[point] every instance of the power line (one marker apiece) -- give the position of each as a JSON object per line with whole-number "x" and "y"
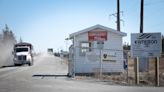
{"x": 115, "y": 15}
{"x": 154, "y": 3}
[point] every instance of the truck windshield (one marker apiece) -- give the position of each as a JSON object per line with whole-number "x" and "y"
{"x": 21, "y": 49}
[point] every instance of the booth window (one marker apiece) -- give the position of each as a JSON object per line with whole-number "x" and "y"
{"x": 85, "y": 47}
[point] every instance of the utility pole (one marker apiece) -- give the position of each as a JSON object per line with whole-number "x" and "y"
{"x": 118, "y": 15}
{"x": 141, "y": 16}
{"x": 141, "y": 31}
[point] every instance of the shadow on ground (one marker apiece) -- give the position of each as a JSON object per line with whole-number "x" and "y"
{"x": 48, "y": 75}
{"x": 7, "y": 66}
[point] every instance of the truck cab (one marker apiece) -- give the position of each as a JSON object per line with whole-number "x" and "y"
{"x": 23, "y": 54}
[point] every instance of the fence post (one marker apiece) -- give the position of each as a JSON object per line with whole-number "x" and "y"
{"x": 136, "y": 60}
{"x": 157, "y": 71}
{"x": 127, "y": 69}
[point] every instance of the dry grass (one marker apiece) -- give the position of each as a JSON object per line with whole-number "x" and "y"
{"x": 147, "y": 78}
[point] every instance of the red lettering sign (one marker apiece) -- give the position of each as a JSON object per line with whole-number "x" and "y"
{"x": 97, "y": 36}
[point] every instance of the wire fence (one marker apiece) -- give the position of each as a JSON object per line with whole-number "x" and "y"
{"x": 114, "y": 66}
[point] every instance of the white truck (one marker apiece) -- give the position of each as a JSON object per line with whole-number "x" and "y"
{"x": 23, "y": 54}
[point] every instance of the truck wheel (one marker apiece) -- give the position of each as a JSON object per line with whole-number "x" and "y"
{"x": 29, "y": 64}
{"x": 15, "y": 64}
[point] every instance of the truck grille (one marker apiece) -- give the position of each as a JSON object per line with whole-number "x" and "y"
{"x": 22, "y": 57}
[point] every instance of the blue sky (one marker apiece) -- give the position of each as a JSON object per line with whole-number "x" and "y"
{"x": 46, "y": 23}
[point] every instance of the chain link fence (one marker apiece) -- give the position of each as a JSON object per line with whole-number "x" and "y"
{"x": 114, "y": 66}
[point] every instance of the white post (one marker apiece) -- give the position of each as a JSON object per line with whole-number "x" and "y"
{"x": 74, "y": 57}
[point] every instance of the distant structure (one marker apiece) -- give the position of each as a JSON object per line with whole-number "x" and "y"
{"x": 50, "y": 51}
{"x": 64, "y": 54}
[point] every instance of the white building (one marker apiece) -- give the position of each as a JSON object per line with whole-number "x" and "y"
{"x": 94, "y": 49}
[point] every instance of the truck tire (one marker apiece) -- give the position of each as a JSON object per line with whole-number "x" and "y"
{"x": 17, "y": 64}
{"x": 29, "y": 64}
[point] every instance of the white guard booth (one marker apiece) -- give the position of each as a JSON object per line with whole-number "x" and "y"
{"x": 96, "y": 48}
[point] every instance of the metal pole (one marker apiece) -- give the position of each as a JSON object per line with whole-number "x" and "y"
{"x": 141, "y": 16}
{"x": 100, "y": 65}
{"x": 118, "y": 15}
{"x": 141, "y": 31}
{"x": 74, "y": 58}
{"x": 127, "y": 68}
{"x": 157, "y": 71}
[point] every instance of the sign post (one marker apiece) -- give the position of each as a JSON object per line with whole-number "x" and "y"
{"x": 100, "y": 64}
{"x": 157, "y": 71}
{"x": 137, "y": 70}
{"x": 146, "y": 45}
{"x": 100, "y": 37}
